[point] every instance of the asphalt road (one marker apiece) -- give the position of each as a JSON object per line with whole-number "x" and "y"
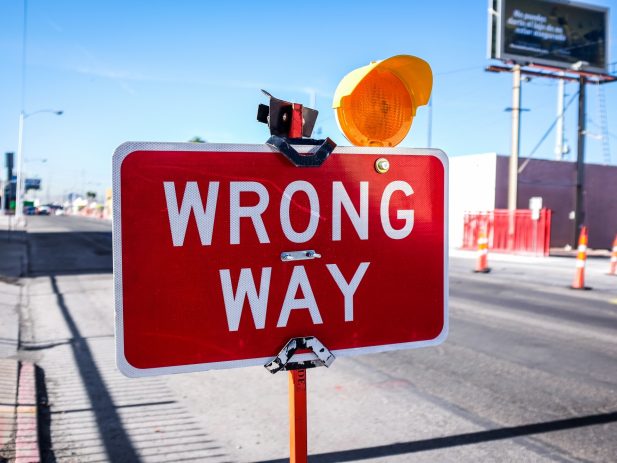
{"x": 528, "y": 373}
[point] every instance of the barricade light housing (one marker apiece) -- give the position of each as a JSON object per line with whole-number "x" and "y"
{"x": 375, "y": 104}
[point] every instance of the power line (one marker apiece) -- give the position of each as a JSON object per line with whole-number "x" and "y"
{"x": 600, "y": 127}
{"x": 546, "y": 134}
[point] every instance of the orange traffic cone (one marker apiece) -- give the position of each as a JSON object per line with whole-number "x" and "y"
{"x": 482, "y": 261}
{"x": 581, "y": 258}
{"x": 613, "y": 269}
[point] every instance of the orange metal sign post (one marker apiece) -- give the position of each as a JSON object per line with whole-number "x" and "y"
{"x": 298, "y": 449}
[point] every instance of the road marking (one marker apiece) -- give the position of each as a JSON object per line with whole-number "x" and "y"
{"x": 536, "y": 322}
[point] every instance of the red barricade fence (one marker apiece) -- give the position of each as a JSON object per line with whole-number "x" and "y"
{"x": 532, "y": 232}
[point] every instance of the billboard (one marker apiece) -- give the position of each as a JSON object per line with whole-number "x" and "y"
{"x": 549, "y": 32}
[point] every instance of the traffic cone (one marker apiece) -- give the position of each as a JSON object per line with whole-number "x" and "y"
{"x": 613, "y": 269}
{"x": 482, "y": 261}
{"x": 581, "y": 259}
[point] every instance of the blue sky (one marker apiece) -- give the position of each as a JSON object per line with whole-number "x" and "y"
{"x": 171, "y": 70}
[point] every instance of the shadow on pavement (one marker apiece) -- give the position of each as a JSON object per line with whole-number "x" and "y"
{"x": 97, "y": 415}
{"x": 459, "y": 439}
{"x": 69, "y": 253}
{"x": 118, "y": 446}
{"x": 12, "y": 250}
{"x": 47, "y": 452}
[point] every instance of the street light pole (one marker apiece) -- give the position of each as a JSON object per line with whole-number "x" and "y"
{"x": 19, "y": 176}
{"x": 19, "y": 181}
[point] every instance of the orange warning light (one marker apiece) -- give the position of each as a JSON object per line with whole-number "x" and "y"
{"x": 375, "y": 104}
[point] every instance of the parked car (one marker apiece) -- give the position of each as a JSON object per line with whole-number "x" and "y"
{"x": 56, "y": 209}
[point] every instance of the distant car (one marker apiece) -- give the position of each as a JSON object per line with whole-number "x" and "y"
{"x": 30, "y": 210}
{"x": 43, "y": 210}
{"x": 55, "y": 209}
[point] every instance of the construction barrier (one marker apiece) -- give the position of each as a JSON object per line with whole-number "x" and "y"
{"x": 532, "y": 231}
{"x": 581, "y": 259}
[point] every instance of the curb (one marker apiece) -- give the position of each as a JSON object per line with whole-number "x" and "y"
{"x": 27, "y": 436}
{"x": 9, "y": 369}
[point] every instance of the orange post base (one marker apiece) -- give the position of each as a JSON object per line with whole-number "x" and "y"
{"x": 298, "y": 449}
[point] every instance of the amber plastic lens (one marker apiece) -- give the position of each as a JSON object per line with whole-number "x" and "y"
{"x": 378, "y": 112}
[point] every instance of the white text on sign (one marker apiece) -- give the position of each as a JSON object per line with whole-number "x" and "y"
{"x": 205, "y": 217}
{"x": 258, "y": 299}
{"x": 246, "y": 288}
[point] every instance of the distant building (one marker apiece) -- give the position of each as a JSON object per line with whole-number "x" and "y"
{"x": 479, "y": 182}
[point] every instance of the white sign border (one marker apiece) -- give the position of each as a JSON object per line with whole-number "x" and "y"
{"x": 129, "y": 147}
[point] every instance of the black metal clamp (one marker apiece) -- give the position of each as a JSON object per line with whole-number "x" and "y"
{"x": 292, "y": 124}
{"x": 282, "y": 362}
{"x": 314, "y": 158}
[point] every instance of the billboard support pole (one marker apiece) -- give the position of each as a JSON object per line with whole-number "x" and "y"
{"x": 559, "y": 136}
{"x": 513, "y": 172}
{"x": 583, "y": 77}
{"x": 579, "y": 206}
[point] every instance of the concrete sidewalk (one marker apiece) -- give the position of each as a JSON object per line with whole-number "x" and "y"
{"x": 13, "y": 255}
{"x": 18, "y": 430}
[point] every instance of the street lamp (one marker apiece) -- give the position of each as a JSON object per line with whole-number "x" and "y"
{"x": 20, "y": 159}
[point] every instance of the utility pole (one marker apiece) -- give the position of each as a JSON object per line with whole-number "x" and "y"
{"x": 516, "y": 131}
{"x": 513, "y": 172}
{"x": 559, "y": 145}
{"x": 579, "y": 204}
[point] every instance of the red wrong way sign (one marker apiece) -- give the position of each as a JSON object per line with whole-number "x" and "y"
{"x": 223, "y": 253}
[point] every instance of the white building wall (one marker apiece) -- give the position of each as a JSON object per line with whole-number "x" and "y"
{"x": 472, "y": 189}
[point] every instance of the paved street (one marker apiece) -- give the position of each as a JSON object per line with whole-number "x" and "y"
{"x": 528, "y": 373}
